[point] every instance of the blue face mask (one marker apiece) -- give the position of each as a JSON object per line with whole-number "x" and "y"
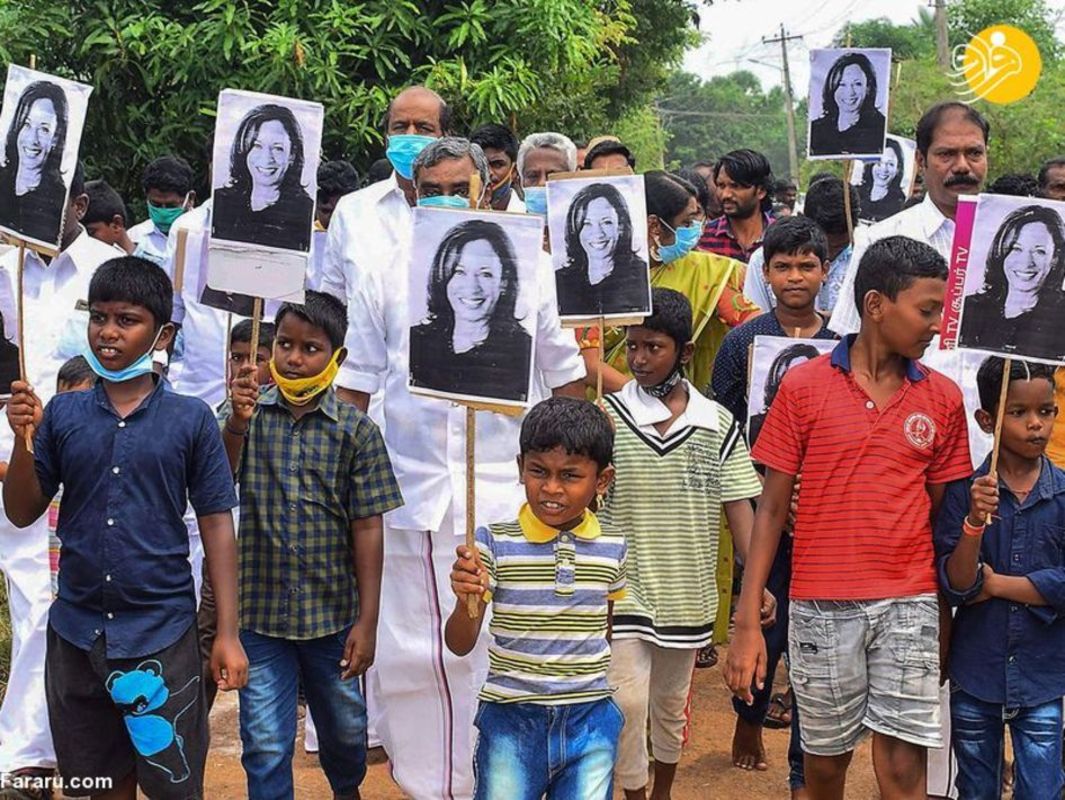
{"x": 403, "y": 148}
{"x": 444, "y": 201}
{"x": 536, "y": 200}
{"x": 686, "y": 237}
{"x": 142, "y": 366}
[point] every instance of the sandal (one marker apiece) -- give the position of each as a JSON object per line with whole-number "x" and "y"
{"x": 706, "y": 657}
{"x": 779, "y": 714}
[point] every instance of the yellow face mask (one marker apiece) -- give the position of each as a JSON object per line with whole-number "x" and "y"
{"x": 300, "y": 391}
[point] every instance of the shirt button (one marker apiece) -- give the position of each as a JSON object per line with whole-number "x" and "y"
{"x": 110, "y": 523}
{"x": 870, "y": 404}
{"x": 107, "y": 578}
{"x": 96, "y": 631}
{"x": 116, "y": 470}
{"x": 1013, "y": 608}
{"x": 122, "y": 424}
{"x": 1016, "y": 556}
{"x": 292, "y": 468}
{"x": 112, "y": 616}
{"x": 1011, "y": 659}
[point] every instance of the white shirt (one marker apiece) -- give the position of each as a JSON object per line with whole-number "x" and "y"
{"x": 925, "y": 223}
{"x": 515, "y": 204}
{"x": 149, "y": 240}
{"x": 367, "y": 228}
{"x": 426, "y": 437}
{"x": 647, "y": 411}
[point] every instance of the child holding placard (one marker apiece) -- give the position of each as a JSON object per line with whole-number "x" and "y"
{"x": 1000, "y": 552}
{"x": 674, "y": 449}
{"x": 546, "y": 720}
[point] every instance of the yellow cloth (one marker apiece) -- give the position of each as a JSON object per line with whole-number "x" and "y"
{"x": 1056, "y": 447}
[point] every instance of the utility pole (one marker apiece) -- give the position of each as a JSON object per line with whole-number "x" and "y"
{"x": 942, "y": 44}
{"x": 793, "y": 151}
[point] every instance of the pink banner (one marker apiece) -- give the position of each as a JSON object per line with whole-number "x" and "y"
{"x": 959, "y": 263}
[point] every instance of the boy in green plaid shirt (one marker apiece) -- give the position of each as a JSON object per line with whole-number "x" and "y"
{"x": 315, "y": 479}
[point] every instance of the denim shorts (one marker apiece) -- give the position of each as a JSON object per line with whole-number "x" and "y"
{"x": 867, "y": 665}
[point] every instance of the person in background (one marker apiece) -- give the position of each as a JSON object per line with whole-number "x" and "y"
{"x": 1018, "y": 184}
{"x": 335, "y": 179}
{"x": 610, "y": 154}
{"x": 167, "y": 186}
{"x": 501, "y": 149}
{"x": 107, "y": 217}
{"x": 582, "y": 151}
{"x": 380, "y": 170}
{"x": 706, "y": 170}
{"x": 743, "y": 179}
{"x": 785, "y": 192}
{"x": 704, "y": 196}
{"x": 540, "y": 156}
{"x": 1051, "y": 179}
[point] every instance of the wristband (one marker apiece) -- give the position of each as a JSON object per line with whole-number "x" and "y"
{"x": 972, "y": 530}
{"x": 234, "y": 432}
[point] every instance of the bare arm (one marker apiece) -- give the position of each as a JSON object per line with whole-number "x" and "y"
{"x": 368, "y": 553}
{"x": 1015, "y": 588}
{"x": 24, "y": 502}
{"x": 963, "y": 563}
{"x": 361, "y": 400}
{"x": 229, "y": 665}
{"x": 571, "y": 389}
{"x": 468, "y": 576}
{"x": 613, "y": 380}
{"x": 740, "y": 516}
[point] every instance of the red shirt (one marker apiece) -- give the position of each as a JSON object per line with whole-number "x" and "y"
{"x": 718, "y": 238}
{"x": 863, "y": 529}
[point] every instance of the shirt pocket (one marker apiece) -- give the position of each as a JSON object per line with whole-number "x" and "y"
{"x": 1047, "y": 546}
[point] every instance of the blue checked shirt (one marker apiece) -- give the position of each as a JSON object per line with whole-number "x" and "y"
{"x": 302, "y": 484}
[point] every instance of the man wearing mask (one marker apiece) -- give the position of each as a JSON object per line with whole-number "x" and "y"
{"x": 743, "y": 180}
{"x": 167, "y": 185}
{"x": 952, "y": 159}
{"x": 368, "y": 226}
{"x": 540, "y": 156}
{"x": 420, "y": 692}
{"x": 501, "y": 149}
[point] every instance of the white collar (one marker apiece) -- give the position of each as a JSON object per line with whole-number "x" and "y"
{"x": 932, "y": 219}
{"x": 647, "y": 410}
{"x": 84, "y": 253}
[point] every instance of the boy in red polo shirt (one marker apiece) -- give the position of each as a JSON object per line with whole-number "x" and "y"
{"x": 876, "y": 437}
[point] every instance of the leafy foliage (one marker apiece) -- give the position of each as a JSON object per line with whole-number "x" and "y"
{"x": 157, "y": 66}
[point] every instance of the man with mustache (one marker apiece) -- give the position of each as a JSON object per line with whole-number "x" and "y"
{"x": 952, "y": 159}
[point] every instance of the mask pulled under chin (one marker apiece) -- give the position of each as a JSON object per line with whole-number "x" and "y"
{"x": 142, "y": 366}
{"x": 660, "y": 390}
{"x": 300, "y": 391}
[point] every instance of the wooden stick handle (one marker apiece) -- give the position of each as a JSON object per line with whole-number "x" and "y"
{"x": 602, "y": 356}
{"x": 20, "y": 335}
{"x": 256, "y": 318}
{"x": 473, "y": 603}
{"x": 848, "y": 166}
{"x": 179, "y": 259}
{"x": 1007, "y": 365}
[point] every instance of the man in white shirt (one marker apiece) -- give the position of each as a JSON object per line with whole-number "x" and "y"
{"x": 368, "y": 225}
{"x": 56, "y": 327}
{"x": 424, "y": 697}
{"x": 952, "y": 157}
{"x": 167, "y": 185}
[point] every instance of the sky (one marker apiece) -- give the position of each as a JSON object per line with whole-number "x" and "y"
{"x": 734, "y": 30}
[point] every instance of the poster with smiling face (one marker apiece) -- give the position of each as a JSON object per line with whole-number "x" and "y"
{"x": 472, "y": 299}
{"x": 264, "y": 169}
{"x": 885, "y": 184}
{"x": 848, "y": 102}
{"x": 42, "y": 119}
{"x": 1014, "y": 295}
{"x": 599, "y": 249}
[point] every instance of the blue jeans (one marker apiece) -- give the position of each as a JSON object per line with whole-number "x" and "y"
{"x": 526, "y": 750}
{"x": 977, "y": 734}
{"x": 268, "y": 713}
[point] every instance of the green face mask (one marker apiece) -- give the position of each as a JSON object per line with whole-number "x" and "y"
{"x": 163, "y": 218}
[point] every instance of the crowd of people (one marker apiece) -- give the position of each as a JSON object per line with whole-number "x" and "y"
{"x": 191, "y": 509}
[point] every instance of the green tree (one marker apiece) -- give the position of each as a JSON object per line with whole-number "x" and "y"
{"x": 968, "y": 17}
{"x": 157, "y": 66}
{"x": 905, "y": 41}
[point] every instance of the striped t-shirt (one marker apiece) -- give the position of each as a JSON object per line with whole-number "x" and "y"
{"x": 549, "y": 591}
{"x": 666, "y": 498}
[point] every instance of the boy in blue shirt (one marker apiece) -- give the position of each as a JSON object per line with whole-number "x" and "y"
{"x": 546, "y": 720}
{"x": 122, "y": 671}
{"x": 1007, "y": 646}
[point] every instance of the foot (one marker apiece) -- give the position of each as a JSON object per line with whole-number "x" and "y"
{"x": 748, "y": 752}
{"x": 30, "y": 783}
{"x": 779, "y": 714}
{"x": 706, "y": 657}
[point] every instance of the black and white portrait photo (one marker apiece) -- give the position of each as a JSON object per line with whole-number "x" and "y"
{"x": 266, "y": 153}
{"x": 598, "y": 229}
{"x": 884, "y": 184}
{"x": 472, "y": 300}
{"x": 1014, "y": 299}
{"x": 771, "y": 358}
{"x": 42, "y": 119}
{"x": 848, "y": 102}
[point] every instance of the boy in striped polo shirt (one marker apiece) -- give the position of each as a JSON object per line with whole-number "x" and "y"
{"x": 876, "y": 436}
{"x": 546, "y": 720}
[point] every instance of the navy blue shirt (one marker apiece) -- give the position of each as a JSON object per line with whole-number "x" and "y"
{"x": 731, "y": 366}
{"x": 1001, "y": 651}
{"x": 124, "y": 569}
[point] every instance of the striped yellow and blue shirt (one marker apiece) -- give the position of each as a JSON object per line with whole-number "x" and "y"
{"x": 550, "y": 591}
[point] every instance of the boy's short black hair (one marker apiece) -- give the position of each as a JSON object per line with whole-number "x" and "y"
{"x": 892, "y": 265}
{"x": 793, "y": 235}
{"x": 671, "y": 314}
{"x": 322, "y": 311}
{"x": 824, "y": 204}
{"x": 104, "y": 204}
{"x": 989, "y": 378}
{"x": 167, "y": 174}
{"x": 931, "y": 119}
{"x": 577, "y": 426}
{"x": 241, "y": 333}
{"x": 497, "y": 137}
{"x": 77, "y": 182}
{"x": 609, "y": 147}
{"x": 379, "y": 170}
{"x": 136, "y": 280}
{"x": 75, "y": 372}
{"x": 336, "y": 179}
{"x": 1015, "y": 184}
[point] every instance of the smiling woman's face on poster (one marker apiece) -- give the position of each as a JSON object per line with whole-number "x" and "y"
{"x": 1029, "y": 258}
{"x": 269, "y": 157}
{"x": 885, "y": 170}
{"x": 852, "y": 89}
{"x": 476, "y": 283}
{"x": 599, "y": 229}
{"x": 37, "y": 137}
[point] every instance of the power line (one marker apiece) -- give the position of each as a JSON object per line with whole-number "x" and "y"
{"x": 789, "y": 99}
